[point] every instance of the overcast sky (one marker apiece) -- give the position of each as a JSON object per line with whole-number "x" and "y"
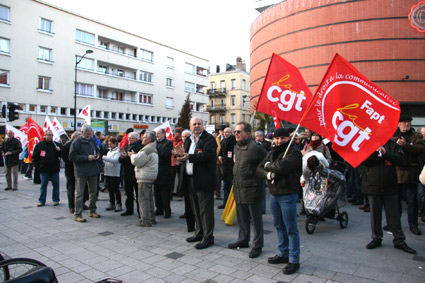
{"x": 217, "y": 30}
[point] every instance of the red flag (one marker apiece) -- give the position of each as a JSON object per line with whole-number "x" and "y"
{"x": 24, "y": 128}
{"x": 285, "y": 94}
{"x": 124, "y": 141}
{"x": 35, "y": 134}
{"x": 352, "y": 112}
{"x": 276, "y": 122}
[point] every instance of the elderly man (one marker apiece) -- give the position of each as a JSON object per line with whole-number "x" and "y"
{"x": 85, "y": 154}
{"x": 199, "y": 155}
{"x": 46, "y": 157}
{"x": 130, "y": 182}
{"x": 248, "y": 190}
{"x": 11, "y": 148}
{"x": 162, "y": 184}
{"x": 413, "y": 145}
{"x": 146, "y": 169}
{"x": 259, "y": 138}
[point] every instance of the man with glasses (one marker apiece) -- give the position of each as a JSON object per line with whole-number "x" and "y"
{"x": 46, "y": 158}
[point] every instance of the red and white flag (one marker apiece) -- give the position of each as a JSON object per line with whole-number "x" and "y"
{"x": 48, "y": 125}
{"x": 352, "y": 112}
{"x": 21, "y": 136}
{"x": 35, "y": 135}
{"x": 58, "y": 127}
{"x": 167, "y": 127}
{"x": 85, "y": 114}
{"x": 284, "y": 94}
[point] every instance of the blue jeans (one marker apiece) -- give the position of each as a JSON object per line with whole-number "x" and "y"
{"x": 45, "y": 178}
{"x": 284, "y": 211}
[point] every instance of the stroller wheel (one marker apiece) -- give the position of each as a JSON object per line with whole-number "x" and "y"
{"x": 310, "y": 224}
{"x": 343, "y": 220}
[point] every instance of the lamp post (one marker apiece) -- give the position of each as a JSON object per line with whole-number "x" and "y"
{"x": 89, "y": 51}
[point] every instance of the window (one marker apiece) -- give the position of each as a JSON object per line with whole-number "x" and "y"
{"x": 146, "y": 55}
{"x": 233, "y": 81}
{"x": 212, "y": 119}
{"x": 32, "y": 107}
{"x": 103, "y": 44}
{"x": 43, "y": 109}
{"x": 44, "y": 83}
{"x": 188, "y": 86}
{"x": 53, "y": 110}
{"x": 117, "y": 96}
{"x": 63, "y": 111}
{"x": 169, "y": 102}
{"x": 45, "y": 25}
{"x": 84, "y": 37}
{"x": 145, "y": 98}
{"x": 146, "y": 77}
{"x": 233, "y": 118}
{"x": 243, "y": 84}
{"x": 233, "y": 100}
{"x": 170, "y": 82}
{"x": 4, "y": 13}
{"x": 102, "y": 69}
{"x": 4, "y": 77}
{"x": 170, "y": 62}
{"x": 213, "y": 85}
{"x": 223, "y": 85}
{"x": 4, "y": 45}
{"x": 44, "y": 54}
{"x": 102, "y": 93}
{"x": 222, "y": 119}
{"x": 86, "y": 63}
{"x": 84, "y": 89}
{"x": 222, "y": 104}
{"x": 212, "y": 102}
{"x": 119, "y": 73}
{"x": 189, "y": 68}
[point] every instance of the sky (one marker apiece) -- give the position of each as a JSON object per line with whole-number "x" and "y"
{"x": 216, "y": 30}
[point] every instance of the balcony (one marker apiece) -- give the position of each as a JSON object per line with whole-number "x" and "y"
{"x": 217, "y": 92}
{"x": 217, "y": 108}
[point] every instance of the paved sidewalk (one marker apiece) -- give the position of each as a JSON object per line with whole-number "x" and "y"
{"x": 113, "y": 246}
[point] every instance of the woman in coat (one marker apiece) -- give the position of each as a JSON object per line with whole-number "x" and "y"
{"x": 112, "y": 175}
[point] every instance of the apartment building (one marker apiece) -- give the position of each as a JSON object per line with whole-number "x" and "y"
{"x": 49, "y": 56}
{"x": 228, "y": 92}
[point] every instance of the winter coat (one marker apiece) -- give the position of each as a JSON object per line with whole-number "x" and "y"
{"x": 46, "y": 157}
{"x": 146, "y": 164}
{"x": 81, "y": 148}
{"x": 422, "y": 176}
{"x": 164, "y": 148}
{"x": 247, "y": 187}
{"x": 287, "y": 170}
{"x": 226, "y": 154}
{"x": 128, "y": 168}
{"x": 379, "y": 175}
{"x": 14, "y": 146}
{"x": 204, "y": 162}
{"x": 414, "y": 147}
{"x": 111, "y": 161}
{"x": 69, "y": 165}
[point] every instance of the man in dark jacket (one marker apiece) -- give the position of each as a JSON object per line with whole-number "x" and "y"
{"x": 226, "y": 155}
{"x": 248, "y": 189}
{"x": 380, "y": 185}
{"x": 283, "y": 174}
{"x": 46, "y": 157}
{"x": 199, "y": 156}
{"x": 69, "y": 172}
{"x": 130, "y": 182}
{"x": 11, "y": 148}
{"x": 85, "y": 155}
{"x": 162, "y": 183}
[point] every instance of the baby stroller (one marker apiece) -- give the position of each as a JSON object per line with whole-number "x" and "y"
{"x": 324, "y": 194}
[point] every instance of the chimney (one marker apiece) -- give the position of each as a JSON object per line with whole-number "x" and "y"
{"x": 240, "y": 64}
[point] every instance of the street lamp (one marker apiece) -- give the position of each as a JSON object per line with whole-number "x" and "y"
{"x": 89, "y": 51}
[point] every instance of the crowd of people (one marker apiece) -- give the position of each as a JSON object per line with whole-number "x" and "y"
{"x": 198, "y": 167}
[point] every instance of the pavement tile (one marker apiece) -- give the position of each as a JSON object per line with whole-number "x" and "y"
{"x": 70, "y": 277}
{"x": 260, "y": 279}
{"x": 302, "y": 278}
{"x": 222, "y": 269}
{"x": 348, "y": 278}
{"x": 201, "y": 274}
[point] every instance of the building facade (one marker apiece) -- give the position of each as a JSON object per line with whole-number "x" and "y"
{"x": 229, "y": 96}
{"x": 378, "y": 37}
{"x": 128, "y": 80}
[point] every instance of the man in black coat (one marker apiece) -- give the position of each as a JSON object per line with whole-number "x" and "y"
{"x": 226, "y": 155}
{"x": 162, "y": 183}
{"x": 199, "y": 156}
{"x": 69, "y": 172}
{"x": 11, "y": 148}
{"x": 380, "y": 185}
{"x": 46, "y": 158}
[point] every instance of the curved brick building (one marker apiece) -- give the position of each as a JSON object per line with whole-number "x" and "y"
{"x": 377, "y": 36}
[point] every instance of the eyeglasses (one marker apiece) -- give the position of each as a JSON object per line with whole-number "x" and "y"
{"x": 237, "y": 132}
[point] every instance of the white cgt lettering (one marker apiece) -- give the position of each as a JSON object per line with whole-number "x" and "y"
{"x": 287, "y": 98}
{"x": 346, "y": 131}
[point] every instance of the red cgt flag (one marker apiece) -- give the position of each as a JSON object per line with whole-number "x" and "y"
{"x": 352, "y": 112}
{"x": 35, "y": 134}
{"x": 284, "y": 95}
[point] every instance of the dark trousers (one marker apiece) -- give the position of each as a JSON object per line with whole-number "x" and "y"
{"x": 389, "y": 203}
{"x": 246, "y": 212}
{"x": 203, "y": 210}
{"x": 162, "y": 198}
{"x": 131, "y": 187}
{"x": 28, "y": 172}
{"x": 113, "y": 185}
{"x": 411, "y": 191}
{"x": 70, "y": 188}
{"x": 219, "y": 177}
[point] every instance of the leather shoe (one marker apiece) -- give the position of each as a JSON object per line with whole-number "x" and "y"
{"x": 126, "y": 213}
{"x": 255, "y": 252}
{"x": 196, "y": 238}
{"x": 386, "y": 228}
{"x": 159, "y": 213}
{"x": 374, "y": 244}
{"x": 367, "y": 209}
{"x": 291, "y": 268}
{"x": 403, "y": 246}
{"x": 415, "y": 231}
{"x": 277, "y": 259}
{"x": 182, "y": 216}
{"x": 238, "y": 245}
{"x": 7, "y": 189}
{"x": 204, "y": 244}
{"x": 167, "y": 215}
{"x": 222, "y": 206}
